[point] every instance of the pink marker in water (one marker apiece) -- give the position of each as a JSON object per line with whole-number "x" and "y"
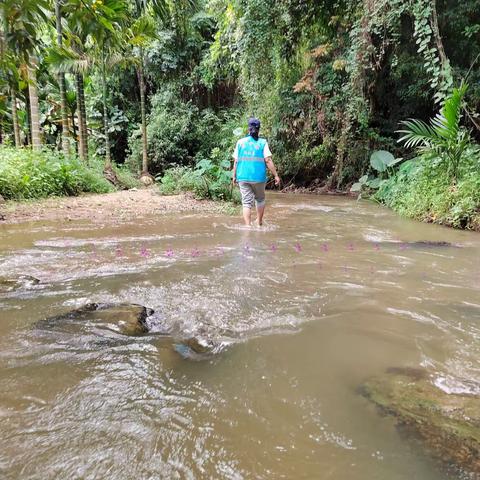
{"x": 325, "y": 247}
{"x": 169, "y": 253}
{"x": 376, "y": 247}
{"x": 273, "y": 248}
{"x": 144, "y": 252}
{"x": 119, "y": 252}
{"x": 298, "y": 247}
{"x": 350, "y": 247}
{"x": 195, "y": 252}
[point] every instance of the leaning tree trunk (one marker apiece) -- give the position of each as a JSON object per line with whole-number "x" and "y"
{"x": 82, "y": 140}
{"x": 34, "y": 111}
{"x": 16, "y": 127}
{"x": 61, "y": 84}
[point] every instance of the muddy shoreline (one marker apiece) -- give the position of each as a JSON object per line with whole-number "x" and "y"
{"x": 123, "y": 205}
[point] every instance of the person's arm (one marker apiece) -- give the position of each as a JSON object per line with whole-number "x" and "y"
{"x": 234, "y": 171}
{"x": 235, "y": 160}
{"x": 271, "y": 167}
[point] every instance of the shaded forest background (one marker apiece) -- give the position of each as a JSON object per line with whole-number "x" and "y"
{"x": 330, "y": 80}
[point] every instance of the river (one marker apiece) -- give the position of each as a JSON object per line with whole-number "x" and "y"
{"x": 330, "y": 292}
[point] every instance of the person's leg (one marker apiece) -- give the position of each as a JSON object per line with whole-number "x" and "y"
{"x": 247, "y": 215}
{"x": 248, "y": 200}
{"x": 259, "y": 191}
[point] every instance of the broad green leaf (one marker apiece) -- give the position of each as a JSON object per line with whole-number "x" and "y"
{"x": 374, "y": 182}
{"x": 356, "y": 187}
{"x": 380, "y": 159}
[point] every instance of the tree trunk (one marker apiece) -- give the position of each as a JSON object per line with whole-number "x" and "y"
{"x": 16, "y": 127}
{"x": 34, "y": 111}
{"x": 108, "y": 171}
{"x": 438, "y": 38}
{"x": 82, "y": 122}
{"x": 74, "y": 130}
{"x": 29, "y": 116}
{"x": 108, "y": 162}
{"x": 84, "y": 119}
{"x": 61, "y": 84}
{"x": 141, "y": 81}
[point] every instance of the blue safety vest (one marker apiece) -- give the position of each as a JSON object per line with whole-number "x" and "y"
{"x": 251, "y": 162}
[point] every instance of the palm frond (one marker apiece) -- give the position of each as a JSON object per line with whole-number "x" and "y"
{"x": 417, "y": 132}
{"x": 66, "y": 60}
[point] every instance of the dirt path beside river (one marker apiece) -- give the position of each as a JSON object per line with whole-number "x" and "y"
{"x": 125, "y": 205}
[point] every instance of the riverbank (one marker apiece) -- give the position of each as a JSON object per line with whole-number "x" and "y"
{"x": 125, "y": 205}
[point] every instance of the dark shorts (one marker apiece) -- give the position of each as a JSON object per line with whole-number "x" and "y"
{"x": 253, "y": 193}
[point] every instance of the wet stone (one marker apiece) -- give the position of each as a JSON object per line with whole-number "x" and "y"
{"x": 448, "y": 425}
{"x": 124, "y": 318}
{"x": 17, "y": 283}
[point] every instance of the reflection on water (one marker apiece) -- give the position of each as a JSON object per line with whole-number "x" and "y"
{"x": 330, "y": 292}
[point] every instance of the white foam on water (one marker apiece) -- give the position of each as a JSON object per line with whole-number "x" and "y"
{"x": 451, "y": 385}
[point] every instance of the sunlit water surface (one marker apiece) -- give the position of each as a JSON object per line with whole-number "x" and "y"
{"x": 326, "y": 295}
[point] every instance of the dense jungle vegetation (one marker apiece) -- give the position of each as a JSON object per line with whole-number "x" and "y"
{"x": 164, "y": 88}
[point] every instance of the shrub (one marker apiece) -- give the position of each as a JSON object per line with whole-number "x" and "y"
{"x": 210, "y": 178}
{"x": 171, "y": 133}
{"x": 25, "y": 173}
{"x": 424, "y": 189}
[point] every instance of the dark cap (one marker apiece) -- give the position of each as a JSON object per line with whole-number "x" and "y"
{"x": 254, "y": 123}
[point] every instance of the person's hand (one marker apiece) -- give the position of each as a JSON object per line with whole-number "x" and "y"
{"x": 277, "y": 180}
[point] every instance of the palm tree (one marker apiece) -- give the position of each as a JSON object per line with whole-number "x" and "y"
{"x": 95, "y": 37}
{"x": 21, "y": 19}
{"x": 61, "y": 81}
{"x": 444, "y": 135}
{"x": 142, "y": 31}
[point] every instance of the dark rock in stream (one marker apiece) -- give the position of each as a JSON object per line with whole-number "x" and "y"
{"x": 132, "y": 320}
{"x": 124, "y": 318}
{"x": 420, "y": 244}
{"x": 17, "y": 283}
{"x": 447, "y": 424}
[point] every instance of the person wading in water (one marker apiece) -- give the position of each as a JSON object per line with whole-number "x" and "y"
{"x": 252, "y": 156}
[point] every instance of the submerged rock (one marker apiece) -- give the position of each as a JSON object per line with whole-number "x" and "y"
{"x": 124, "y": 318}
{"x": 17, "y": 283}
{"x": 430, "y": 243}
{"x": 447, "y": 424}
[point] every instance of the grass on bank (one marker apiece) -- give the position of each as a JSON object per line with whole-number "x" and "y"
{"x": 28, "y": 174}
{"x": 423, "y": 189}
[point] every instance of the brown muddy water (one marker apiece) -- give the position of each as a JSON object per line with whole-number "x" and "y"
{"x": 329, "y": 293}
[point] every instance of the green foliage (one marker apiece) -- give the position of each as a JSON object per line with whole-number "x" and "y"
{"x": 210, "y": 178}
{"x": 179, "y": 133}
{"x": 444, "y": 135}
{"x": 423, "y": 191}
{"x": 381, "y": 162}
{"x": 439, "y": 70}
{"x": 171, "y": 133}
{"x": 27, "y": 174}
